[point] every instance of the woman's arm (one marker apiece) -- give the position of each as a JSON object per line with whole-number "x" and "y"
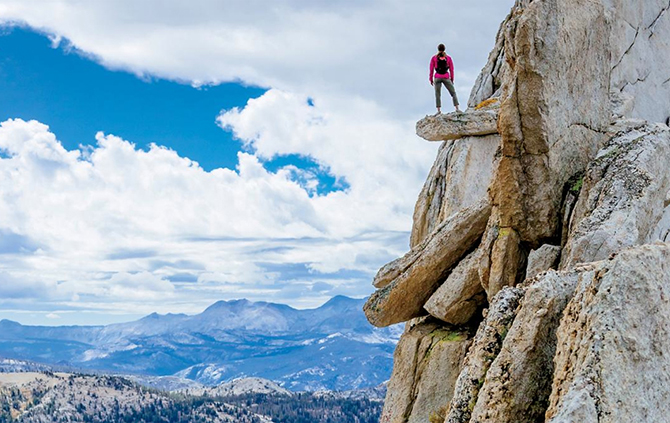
{"x": 432, "y": 69}
{"x": 451, "y": 69}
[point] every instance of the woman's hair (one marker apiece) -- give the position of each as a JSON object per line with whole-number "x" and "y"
{"x": 440, "y": 49}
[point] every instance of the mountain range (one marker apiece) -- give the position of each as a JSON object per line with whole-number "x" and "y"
{"x": 331, "y": 347}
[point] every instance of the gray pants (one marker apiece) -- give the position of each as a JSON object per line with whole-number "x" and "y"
{"x": 438, "y": 90}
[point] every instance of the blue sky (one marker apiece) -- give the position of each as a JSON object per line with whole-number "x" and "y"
{"x": 52, "y": 85}
{"x": 289, "y": 175}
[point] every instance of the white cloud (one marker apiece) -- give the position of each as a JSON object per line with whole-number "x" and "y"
{"x": 102, "y": 217}
{"x": 23, "y": 285}
{"x": 377, "y": 156}
{"x": 374, "y": 49}
{"x": 119, "y": 223}
{"x": 138, "y": 286}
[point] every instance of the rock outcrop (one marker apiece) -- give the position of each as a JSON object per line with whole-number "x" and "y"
{"x": 542, "y": 224}
{"x": 454, "y": 126}
{"x": 551, "y": 120}
{"x": 408, "y": 282}
{"x": 612, "y": 362}
{"x": 461, "y": 294}
{"x": 624, "y": 198}
{"x": 517, "y": 385}
{"x": 485, "y": 348}
{"x": 426, "y": 349}
{"x": 460, "y": 178}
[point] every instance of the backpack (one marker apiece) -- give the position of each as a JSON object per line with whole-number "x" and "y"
{"x": 442, "y": 67}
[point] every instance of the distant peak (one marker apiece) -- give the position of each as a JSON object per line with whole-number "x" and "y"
{"x": 336, "y": 301}
{"x": 223, "y": 304}
{"x": 341, "y": 300}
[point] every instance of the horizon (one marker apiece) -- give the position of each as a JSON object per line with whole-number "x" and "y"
{"x": 145, "y": 169}
{"x": 55, "y": 323}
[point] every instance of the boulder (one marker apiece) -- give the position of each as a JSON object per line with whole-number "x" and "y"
{"x": 624, "y": 196}
{"x": 485, "y": 347}
{"x": 408, "y": 282}
{"x": 489, "y": 238}
{"x": 453, "y": 126}
{"x": 544, "y": 258}
{"x": 426, "y": 364}
{"x": 459, "y": 179}
{"x": 461, "y": 294}
{"x": 507, "y": 261}
{"x": 612, "y": 362}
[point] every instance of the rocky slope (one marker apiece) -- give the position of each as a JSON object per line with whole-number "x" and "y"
{"x": 536, "y": 287}
{"x": 242, "y": 386}
{"x": 60, "y": 397}
{"x": 33, "y": 397}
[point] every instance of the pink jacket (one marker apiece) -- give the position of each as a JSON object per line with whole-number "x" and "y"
{"x": 448, "y": 75}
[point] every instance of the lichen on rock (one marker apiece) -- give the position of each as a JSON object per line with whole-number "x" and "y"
{"x": 426, "y": 364}
{"x": 485, "y": 348}
{"x": 623, "y": 200}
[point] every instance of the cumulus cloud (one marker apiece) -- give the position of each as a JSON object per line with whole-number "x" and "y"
{"x": 117, "y": 223}
{"x": 378, "y": 157}
{"x": 346, "y": 82}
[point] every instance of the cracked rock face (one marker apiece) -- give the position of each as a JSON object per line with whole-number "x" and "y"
{"x": 624, "y": 195}
{"x": 485, "y": 347}
{"x": 426, "y": 365}
{"x": 459, "y": 178}
{"x": 574, "y": 177}
{"x": 612, "y": 362}
{"x": 640, "y": 40}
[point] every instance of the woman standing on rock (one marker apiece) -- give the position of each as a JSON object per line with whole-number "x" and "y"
{"x": 442, "y": 69}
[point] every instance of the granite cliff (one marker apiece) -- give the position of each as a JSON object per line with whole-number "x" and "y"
{"x": 537, "y": 286}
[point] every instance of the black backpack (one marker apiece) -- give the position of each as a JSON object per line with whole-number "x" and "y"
{"x": 442, "y": 67}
